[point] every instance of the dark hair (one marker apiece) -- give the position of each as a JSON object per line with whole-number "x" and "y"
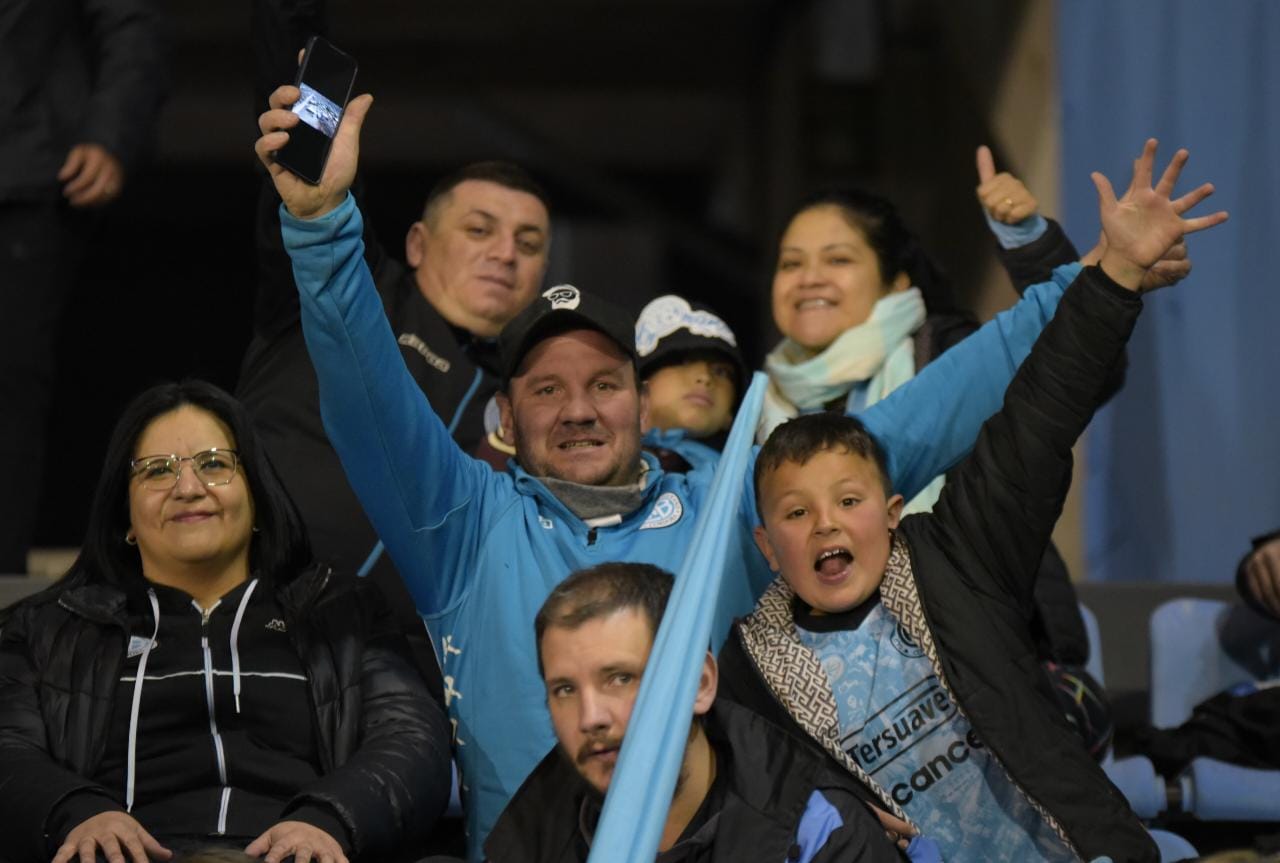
{"x": 279, "y": 546}
{"x": 896, "y": 247}
{"x": 800, "y": 439}
{"x": 507, "y": 174}
{"x": 589, "y": 594}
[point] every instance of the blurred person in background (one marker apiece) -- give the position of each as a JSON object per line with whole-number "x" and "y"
{"x": 80, "y": 88}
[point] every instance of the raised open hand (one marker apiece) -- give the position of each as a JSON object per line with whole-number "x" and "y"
{"x": 301, "y": 198}
{"x": 1001, "y": 194}
{"x": 1143, "y": 227}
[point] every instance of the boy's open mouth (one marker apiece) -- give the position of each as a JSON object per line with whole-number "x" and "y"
{"x": 832, "y": 562}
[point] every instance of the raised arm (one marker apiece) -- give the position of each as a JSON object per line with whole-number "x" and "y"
{"x": 1003, "y": 501}
{"x": 424, "y": 496}
{"x": 1029, "y": 245}
{"x": 280, "y": 29}
{"x": 930, "y": 422}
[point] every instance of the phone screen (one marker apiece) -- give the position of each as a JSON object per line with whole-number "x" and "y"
{"x": 325, "y": 78}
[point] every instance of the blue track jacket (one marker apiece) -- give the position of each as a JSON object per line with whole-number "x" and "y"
{"x": 481, "y": 550}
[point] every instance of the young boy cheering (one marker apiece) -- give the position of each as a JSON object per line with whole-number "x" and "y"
{"x": 901, "y": 645}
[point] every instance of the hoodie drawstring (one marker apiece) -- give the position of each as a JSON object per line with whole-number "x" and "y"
{"x": 137, "y": 702}
{"x": 235, "y": 635}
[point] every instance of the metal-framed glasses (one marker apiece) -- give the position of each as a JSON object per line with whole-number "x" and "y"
{"x": 212, "y": 467}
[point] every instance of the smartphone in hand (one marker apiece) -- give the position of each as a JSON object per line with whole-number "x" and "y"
{"x": 326, "y": 77}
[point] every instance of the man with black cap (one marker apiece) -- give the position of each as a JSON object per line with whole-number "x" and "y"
{"x": 481, "y": 550}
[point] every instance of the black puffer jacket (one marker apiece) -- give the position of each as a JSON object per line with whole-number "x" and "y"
{"x": 383, "y": 741}
{"x": 767, "y": 813}
{"x": 961, "y": 582}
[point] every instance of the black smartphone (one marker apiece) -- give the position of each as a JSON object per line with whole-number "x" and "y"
{"x": 325, "y": 78}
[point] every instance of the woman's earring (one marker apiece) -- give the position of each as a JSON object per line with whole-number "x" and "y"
{"x": 129, "y": 538}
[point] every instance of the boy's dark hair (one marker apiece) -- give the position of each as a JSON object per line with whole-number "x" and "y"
{"x": 800, "y": 439}
{"x": 507, "y": 174}
{"x": 590, "y": 594}
{"x": 897, "y": 248}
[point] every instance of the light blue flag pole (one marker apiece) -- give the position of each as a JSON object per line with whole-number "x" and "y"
{"x": 640, "y": 792}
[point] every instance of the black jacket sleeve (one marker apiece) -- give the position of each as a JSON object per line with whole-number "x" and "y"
{"x": 1034, "y": 263}
{"x": 396, "y": 783}
{"x": 860, "y": 838}
{"x": 1002, "y": 502}
{"x": 38, "y": 796}
{"x": 128, "y": 75}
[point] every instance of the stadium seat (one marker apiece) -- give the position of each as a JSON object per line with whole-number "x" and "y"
{"x": 1135, "y": 776}
{"x": 1173, "y": 847}
{"x": 1199, "y": 648}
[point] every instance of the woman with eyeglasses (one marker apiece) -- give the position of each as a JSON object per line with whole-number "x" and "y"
{"x": 195, "y": 679}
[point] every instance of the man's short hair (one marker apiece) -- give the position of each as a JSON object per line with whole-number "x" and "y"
{"x": 800, "y": 439}
{"x": 507, "y": 174}
{"x": 590, "y": 594}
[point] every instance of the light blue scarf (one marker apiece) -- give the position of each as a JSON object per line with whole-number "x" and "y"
{"x": 864, "y": 364}
{"x": 877, "y": 353}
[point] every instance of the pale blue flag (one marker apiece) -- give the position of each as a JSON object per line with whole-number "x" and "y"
{"x": 635, "y": 808}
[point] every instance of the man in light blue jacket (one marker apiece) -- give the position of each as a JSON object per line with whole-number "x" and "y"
{"x": 481, "y": 550}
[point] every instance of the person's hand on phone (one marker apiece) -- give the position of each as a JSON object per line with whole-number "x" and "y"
{"x": 92, "y": 176}
{"x": 302, "y": 199}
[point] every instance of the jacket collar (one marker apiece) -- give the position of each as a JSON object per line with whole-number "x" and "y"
{"x": 531, "y": 486}
{"x": 107, "y": 603}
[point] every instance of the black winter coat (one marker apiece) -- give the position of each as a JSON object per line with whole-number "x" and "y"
{"x": 967, "y": 594}
{"x": 769, "y": 781}
{"x": 383, "y": 741}
{"x": 72, "y": 72}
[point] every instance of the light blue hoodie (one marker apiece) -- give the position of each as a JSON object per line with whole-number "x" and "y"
{"x": 481, "y": 550}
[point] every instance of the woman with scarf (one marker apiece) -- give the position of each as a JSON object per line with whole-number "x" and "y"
{"x": 862, "y": 307}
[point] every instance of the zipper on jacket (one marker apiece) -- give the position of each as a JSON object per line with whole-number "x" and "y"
{"x": 205, "y": 613}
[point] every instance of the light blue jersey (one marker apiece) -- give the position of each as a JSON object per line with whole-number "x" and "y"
{"x": 480, "y": 550}
{"x": 900, "y": 725}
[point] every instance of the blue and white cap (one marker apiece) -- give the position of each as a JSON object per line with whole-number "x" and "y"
{"x": 671, "y": 327}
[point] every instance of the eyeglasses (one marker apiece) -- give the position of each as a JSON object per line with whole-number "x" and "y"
{"x": 212, "y": 467}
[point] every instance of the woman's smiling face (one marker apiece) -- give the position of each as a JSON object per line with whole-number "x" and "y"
{"x": 828, "y": 278}
{"x": 189, "y": 522}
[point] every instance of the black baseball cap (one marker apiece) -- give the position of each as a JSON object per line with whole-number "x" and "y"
{"x": 671, "y": 327}
{"x": 559, "y": 310}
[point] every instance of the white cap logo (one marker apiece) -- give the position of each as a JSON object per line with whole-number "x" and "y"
{"x": 563, "y": 297}
{"x": 669, "y": 314}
